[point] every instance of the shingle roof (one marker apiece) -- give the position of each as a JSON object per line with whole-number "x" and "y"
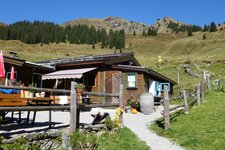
{"x": 107, "y": 58}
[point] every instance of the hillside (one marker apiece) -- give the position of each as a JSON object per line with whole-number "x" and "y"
{"x": 2, "y": 24}
{"x": 108, "y": 23}
{"x": 175, "y": 50}
{"x": 164, "y": 25}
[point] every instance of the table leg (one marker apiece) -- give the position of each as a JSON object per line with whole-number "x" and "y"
{"x": 50, "y": 118}
{"x": 78, "y": 118}
{"x": 28, "y": 116}
{"x": 19, "y": 116}
{"x": 34, "y": 116}
{"x": 12, "y": 116}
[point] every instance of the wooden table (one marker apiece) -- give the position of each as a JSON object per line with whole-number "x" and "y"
{"x": 14, "y": 100}
{"x": 40, "y": 101}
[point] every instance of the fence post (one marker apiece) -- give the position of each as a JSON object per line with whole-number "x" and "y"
{"x": 166, "y": 108}
{"x": 208, "y": 82}
{"x": 121, "y": 102}
{"x": 202, "y": 90}
{"x": 73, "y": 108}
{"x": 185, "y": 102}
{"x": 198, "y": 95}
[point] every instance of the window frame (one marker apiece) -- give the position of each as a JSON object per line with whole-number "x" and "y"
{"x": 128, "y": 74}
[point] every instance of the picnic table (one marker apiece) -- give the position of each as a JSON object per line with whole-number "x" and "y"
{"x": 15, "y": 100}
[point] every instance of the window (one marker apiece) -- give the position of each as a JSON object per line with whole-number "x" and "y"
{"x": 131, "y": 80}
{"x": 36, "y": 80}
{"x": 90, "y": 79}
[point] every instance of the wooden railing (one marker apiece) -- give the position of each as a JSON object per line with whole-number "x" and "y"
{"x": 73, "y": 107}
{"x": 197, "y": 97}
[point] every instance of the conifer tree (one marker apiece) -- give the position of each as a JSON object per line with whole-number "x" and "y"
{"x": 134, "y": 33}
{"x": 189, "y": 32}
{"x": 204, "y": 37}
{"x": 213, "y": 27}
{"x": 206, "y": 28}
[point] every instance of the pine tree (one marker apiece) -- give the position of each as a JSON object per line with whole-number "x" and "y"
{"x": 204, "y": 37}
{"x": 93, "y": 46}
{"x": 206, "y": 28}
{"x": 134, "y": 33}
{"x": 213, "y": 27}
{"x": 189, "y": 32}
{"x": 111, "y": 39}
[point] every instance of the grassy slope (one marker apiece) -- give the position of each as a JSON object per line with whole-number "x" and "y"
{"x": 203, "y": 128}
{"x": 174, "y": 49}
{"x": 124, "y": 139}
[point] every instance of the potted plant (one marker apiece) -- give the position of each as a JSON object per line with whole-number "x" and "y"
{"x": 80, "y": 88}
{"x": 134, "y": 104}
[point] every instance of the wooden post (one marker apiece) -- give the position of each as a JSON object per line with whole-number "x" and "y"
{"x": 202, "y": 90}
{"x": 121, "y": 102}
{"x": 178, "y": 78}
{"x": 73, "y": 108}
{"x": 185, "y": 102}
{"x": 208, "y": 82}
{"x": 198, "y": 95}
{"x": 166, "y": 108}
{"x": 121, "y": 97}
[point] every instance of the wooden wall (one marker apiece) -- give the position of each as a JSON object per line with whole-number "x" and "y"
{"x": 141, "y": 86}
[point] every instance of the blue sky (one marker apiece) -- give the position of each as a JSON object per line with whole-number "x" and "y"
{"x": 198, "y": 12}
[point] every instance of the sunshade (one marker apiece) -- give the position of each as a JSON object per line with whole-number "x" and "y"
{"x": 2, "y": 67}
{"x": 67, "y": 74}
{"x": 12, "y": 73}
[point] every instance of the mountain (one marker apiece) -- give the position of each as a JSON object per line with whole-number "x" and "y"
{"x": 164, "y": 25}
{"x": 3, "y": 24}
{"x": 108, "y": 23}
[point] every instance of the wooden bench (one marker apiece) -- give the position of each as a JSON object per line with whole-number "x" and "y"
{"x": 12, "y": 100}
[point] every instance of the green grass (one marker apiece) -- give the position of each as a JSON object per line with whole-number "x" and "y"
{"x": 123, "y": 139}
{"x": 202, "y": 129}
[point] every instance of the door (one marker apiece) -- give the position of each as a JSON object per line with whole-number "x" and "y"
{"x": 112, "y": 85}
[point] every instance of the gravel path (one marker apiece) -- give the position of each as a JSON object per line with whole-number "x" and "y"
{"x": 138, "y": 123}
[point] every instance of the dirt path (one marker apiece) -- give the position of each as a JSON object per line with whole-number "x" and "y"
{"x": 139, "y": 124}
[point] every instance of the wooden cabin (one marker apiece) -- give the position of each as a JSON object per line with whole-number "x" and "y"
{"x": 26, "y": 72}
{"x": 104, "y": 74}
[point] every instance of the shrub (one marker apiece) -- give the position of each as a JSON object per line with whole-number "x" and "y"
{"x": 84, "y": 140}
{"x": 109, "y": 123}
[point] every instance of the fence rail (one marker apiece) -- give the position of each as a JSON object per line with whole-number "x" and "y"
{"x": 73, "y": 107}
{"x": 198, "y": 98}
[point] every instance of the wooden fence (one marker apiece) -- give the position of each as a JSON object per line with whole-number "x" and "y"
{"x": 73, "y": 107}
{"x": 197, "y": 97}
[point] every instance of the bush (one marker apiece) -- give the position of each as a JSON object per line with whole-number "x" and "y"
{"x": 84, "y": 140}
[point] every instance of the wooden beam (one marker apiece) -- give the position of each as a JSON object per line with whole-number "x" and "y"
{"x": 46, "y": 108}
{"x": 73, "y": 108}
{"x": 198, "y": 95}
{"x": 34, "y": 108}
{"x": 166, "y": 108}
{"x": 57, "y": 90}
{"x": 202, "y": 90}
{"x": 121, "y": 103}
{"x": 185, "y": 102}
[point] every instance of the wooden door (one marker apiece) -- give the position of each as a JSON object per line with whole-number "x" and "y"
{"x": 112, "y": 85}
